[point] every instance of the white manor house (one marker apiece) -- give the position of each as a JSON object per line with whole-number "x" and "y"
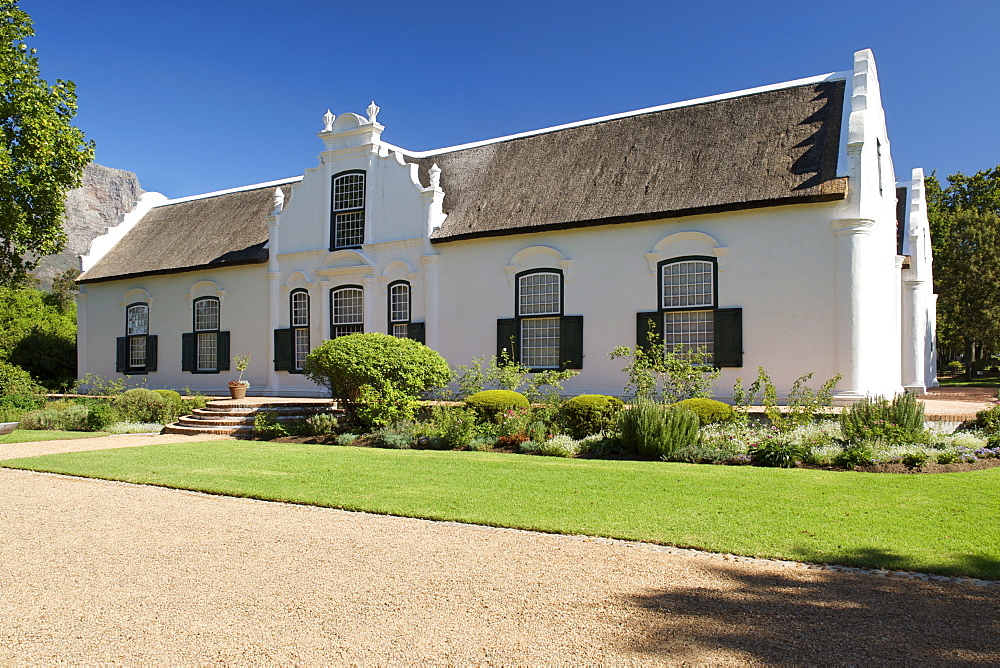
{"x": 766, "y": 226}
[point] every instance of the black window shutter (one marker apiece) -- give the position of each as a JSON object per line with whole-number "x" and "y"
{"x": 223, "y": 351}
{"x": 728, "y": 337}
{"x": 646, "y": 324}
{"x": 416, "y": 331}
{"x": 121, "y": 354}
{"x": 283, "y": 353}
{"x": 151, "y": 353}
{"x": 187, "y": 351}
{"x": 507, "y": 340}
{"x": 571, "y": 341}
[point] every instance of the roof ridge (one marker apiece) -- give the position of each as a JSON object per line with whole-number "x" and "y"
{"x": 831, "y": 76}
{"x": 255, "y": 186}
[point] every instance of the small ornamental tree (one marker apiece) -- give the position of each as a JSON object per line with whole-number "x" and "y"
{"x": 377, "y": 377}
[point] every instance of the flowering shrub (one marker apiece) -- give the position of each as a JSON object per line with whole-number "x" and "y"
{"x": 559, "y": 446}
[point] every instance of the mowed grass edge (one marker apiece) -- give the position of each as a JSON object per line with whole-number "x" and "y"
{"x": 944, "y": 523}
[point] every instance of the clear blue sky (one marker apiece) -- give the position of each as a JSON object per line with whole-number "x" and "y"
{"x": 202, "y": 96}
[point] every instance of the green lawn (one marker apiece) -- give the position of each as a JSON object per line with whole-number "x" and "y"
{"x": 29, "y": 435}
{"x": 962, "y": 382}
{"x": 945, "y": 523}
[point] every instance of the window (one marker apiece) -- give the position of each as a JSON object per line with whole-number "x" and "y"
{"x": 347, "y": 225}
{"x": 539, "y": 305}
{"x": 689, "y": 319}
{"x": 686, "y": 285}
{"x": 137, "y": 349}
{"x": 399, "y": 309}
{"x": 300, "y": 328}
{"x": 540, "y": 336}
{"x": 291, "y": 345}
{"x": 206, "y": 349}
{"x": 346, "y": 311}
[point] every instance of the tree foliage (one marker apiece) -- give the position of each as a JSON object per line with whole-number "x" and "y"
{"x": 378, "y": 377}
{"x": 42, "y": 155}
{"x": 964, "y": 220}
{"x": 38, "y": 334}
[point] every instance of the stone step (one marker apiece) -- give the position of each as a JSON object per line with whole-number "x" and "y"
{"x": 202, "y": 414}
{"x": 217, "y": 431}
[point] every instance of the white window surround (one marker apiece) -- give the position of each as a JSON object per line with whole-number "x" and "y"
{"x": 687, "y": 243}
{"x": 348, "y": 210}
{"x": 347, "y": 310}
{"x": 205, "y": 289}
{"x": 537, "y": 257}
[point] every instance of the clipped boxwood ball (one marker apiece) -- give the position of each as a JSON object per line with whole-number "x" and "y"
{"x": 589, "y": 414}
{"x": 709, "y": 411}
{"x": 489, "y": 404}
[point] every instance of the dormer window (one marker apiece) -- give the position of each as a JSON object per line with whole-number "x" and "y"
{"x": 347, "y": 224}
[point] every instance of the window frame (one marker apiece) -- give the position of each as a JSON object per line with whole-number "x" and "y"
{"x": 333, "y": 312}
{"x": 297, "y": 327}
{"x": 393, "y": 322}
{"x": 334, "y": 211}
{"x": 710, "y": 309}
{"x": 198, "y": 332}
{"x": 127, "y": 367}
{"x": 555, "y": 315}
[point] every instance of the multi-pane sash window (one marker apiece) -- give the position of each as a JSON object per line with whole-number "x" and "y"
{"x": 300, "y": 328}
{"x": 399, "y": 309}
{"x": 348, "y": 223}
{"x": 346, "y": 311}
{"x": 539, "y": 305}
{"x": 136, "y": 329}
{"x": 688, "y": 284}
{"x": 206, "y": 326}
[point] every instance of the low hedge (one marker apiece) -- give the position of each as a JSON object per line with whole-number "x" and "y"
{"x": 489, "y": 404}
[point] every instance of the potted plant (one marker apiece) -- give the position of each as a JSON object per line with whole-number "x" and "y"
{"x": 238, "y": 387}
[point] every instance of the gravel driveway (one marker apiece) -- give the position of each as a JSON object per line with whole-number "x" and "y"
{"x": 99, "y": 572}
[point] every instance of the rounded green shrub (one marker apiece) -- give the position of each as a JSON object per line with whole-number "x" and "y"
{"x": 377, "y": 377}
{"x": 709, "y": 411}
{"x": 589, "y": 414}
{"x": 490, "y": 404}
{"x": 988, "y": 419}
{"x": 175, "y": 405}
{"x": 141, "y": 405}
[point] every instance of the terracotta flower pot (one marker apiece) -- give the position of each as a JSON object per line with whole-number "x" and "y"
{"x": 237, "y": 390}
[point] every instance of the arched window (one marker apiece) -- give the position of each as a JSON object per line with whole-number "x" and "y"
{"x": 206, "y": 349}
{"x": 539, "y": 336}
{"x": 687, "y": 299}
{"x": 688, "y": 320}
{"x": 347, "y": 311}
{"x": 137, "y": 349}
{"x": 399, "y": 309}
{"x": 299, "y": 320}
{"x": 347, "y": 223}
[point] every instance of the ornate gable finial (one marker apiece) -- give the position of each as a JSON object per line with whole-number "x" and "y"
{"x": 279, "y": 201}
{"x": 328, "y": 119}
{"x": 435, "y": 174}
{"x": 372, "y": 110}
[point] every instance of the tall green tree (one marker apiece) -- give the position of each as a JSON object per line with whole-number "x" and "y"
{"x": 42, "y": 155}
{"x": 964, "y": 220}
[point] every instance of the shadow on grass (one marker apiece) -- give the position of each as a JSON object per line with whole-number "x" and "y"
{"x": 817, "y": 617}
{"x": 981, "y": 566}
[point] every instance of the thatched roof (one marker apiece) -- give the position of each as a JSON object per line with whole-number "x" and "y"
{"x": 764, "y": 149}
{"x": 774, "y": 147}
{"x": 216, "y": 231}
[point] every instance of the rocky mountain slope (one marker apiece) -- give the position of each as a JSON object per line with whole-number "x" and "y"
{"x": 105, "y": 195}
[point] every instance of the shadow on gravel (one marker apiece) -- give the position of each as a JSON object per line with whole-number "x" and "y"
{"x": 822, "y": 617}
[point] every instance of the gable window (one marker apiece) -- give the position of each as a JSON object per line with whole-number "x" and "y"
{"x": 136, "y": 352}
{"x": 347, "y": 225}
{"x": 206, "y": 349}
{"x": 540, "y": 337}
{"x": 291, "y": 345}
{"x": 347, "y": 311}
{"x": 689, "y": 320}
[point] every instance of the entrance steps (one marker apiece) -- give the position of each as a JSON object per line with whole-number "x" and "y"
{"x": 235, "y": 417}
